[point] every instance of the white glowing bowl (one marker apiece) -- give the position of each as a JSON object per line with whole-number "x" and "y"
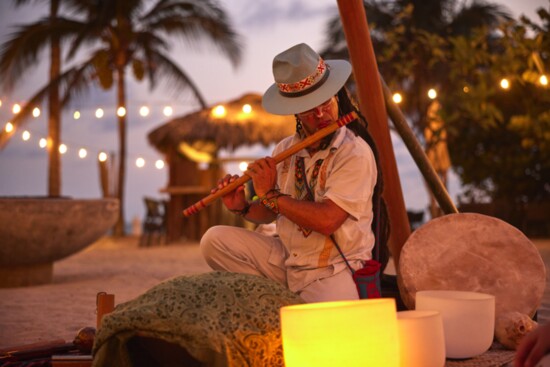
{"x": 468, "y": 320}
{"x": 421, "y": 338}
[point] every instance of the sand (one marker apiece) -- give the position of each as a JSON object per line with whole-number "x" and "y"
{"x": 60, "y": 309}
{"x": 120, "y": 267}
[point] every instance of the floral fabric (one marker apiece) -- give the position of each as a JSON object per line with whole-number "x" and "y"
{"x": 220, "y": 318}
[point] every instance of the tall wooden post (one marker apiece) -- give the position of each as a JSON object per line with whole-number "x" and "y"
{"x": 371, "y": 101}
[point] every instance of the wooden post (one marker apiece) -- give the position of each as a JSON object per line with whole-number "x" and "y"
{"x": 371, "y": 101}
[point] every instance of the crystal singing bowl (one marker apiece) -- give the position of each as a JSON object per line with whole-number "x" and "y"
{"x": 468, "y": 319}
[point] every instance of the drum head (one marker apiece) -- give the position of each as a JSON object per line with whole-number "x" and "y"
{"x": 473, "y": 252}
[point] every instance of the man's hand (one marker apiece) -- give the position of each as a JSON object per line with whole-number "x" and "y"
{"x": 234, "y": 200}
{"x": 264, "y": 175}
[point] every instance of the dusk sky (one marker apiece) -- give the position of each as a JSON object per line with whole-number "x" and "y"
{"x": 267, "y": 27}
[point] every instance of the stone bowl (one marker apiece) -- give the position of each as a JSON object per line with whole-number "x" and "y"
{"x": 37, "y": 231}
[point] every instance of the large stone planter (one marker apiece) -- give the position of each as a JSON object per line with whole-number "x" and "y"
{"x": 36, "y": 231}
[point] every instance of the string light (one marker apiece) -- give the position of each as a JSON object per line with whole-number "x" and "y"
{"x": 102, "y": 156}
{"x": 543, "y": 80}
{"x": 26, "y": 135}
{"x": 16, "y": 109}
{"x": 99, "y": 113}
{"x": 0, "y": 103}
{"x": 140, "y": 162}
{"x": 504, "y": 83}
{"x": 76, "y": 115}
{"x": 167, "y": 111}
{"x": 247, "y": 108}
{"x": 9, "y": 127}
{"x": 159, "y": 164}
{"x": 36, "y": 112}
{"x": 432, "y": 93}
{"x": 243, "y": 166}
{"x": 397, "y": 98}
{"x": 82, "y": 153}
{"x": 144, "y": 111}
{"x": 466, "y": 89}
{"x": 121, "y": 111}
{"x": 63, "y": 148}
{"x": 219, "y": 111}
{"x": 42, "y": 143}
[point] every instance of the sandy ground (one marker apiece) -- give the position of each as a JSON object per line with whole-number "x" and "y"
{"x": 60, "y": 309}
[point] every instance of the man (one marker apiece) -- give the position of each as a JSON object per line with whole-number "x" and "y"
{"x": 322, "y": 196}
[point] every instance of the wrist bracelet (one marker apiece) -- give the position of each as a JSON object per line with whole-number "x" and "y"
{"x": 244, "y": 211}
{"x": 272, "y": 203}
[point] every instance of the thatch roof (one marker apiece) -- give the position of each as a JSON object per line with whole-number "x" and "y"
{"x": 235, "y": 129}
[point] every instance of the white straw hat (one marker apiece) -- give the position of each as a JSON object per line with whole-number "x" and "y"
{"x": 303, "y": 80}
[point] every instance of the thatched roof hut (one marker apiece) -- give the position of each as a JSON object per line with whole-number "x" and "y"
{"x": 198, "y": 137}
{"x": 238, "y": 126}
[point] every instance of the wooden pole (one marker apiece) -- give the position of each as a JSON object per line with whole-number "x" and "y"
{"x": 417, "y": 153}
{"x": 371, "y": 102}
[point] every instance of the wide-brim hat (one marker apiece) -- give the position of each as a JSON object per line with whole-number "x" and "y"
{"x": 303, "y": 80}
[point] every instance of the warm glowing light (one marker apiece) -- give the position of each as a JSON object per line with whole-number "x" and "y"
{"x": 63, "y": 148}
{"x": 42, "y": 143}
{"x": 0, "y": 103}
{"x": 332, "y": 334}
{"x": 432, "y": 93}
{"x": 36, "y": 112}
{"x": 397, "y": 98}
{"x": 243, "y": 166}
{"x": 26, "y": 135}
{"x": 121, "y": 111}
{"x": 102, "y": 156}
{"x": 543, "y": 80}
{"x": 167, "y": 111}
{"x": 9, "y": 127}
{"x": 466, "y": 89}
{"x": 76, "y": 115}
{"x": 421, "y": 338}
{"x": 505, "y": 83}
{"x": 16, "y": 108}
{"x": 82, "y": 153}
{"x": 159, "y": 164}
{"x": 247, "y": 108}
{"x": 219, "y": 111}
{"x": 99, "y": 113}
{"x": 140, "y": 162}
{"x": 144, "y": 111}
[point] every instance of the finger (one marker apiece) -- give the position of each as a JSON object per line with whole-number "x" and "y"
{"x": 270, "y": 162}
{"x": 524, "y": 350}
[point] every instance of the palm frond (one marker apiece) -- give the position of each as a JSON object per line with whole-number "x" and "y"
{"x": 168, "y": 69}
{"x": 195, "y": 20}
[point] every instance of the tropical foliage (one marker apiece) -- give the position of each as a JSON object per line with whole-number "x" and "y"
{"x": 116, "y": 39}
{"x": 498, "y": 139}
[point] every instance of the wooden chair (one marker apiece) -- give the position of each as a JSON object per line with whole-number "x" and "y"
{"x": 154, "y": 224}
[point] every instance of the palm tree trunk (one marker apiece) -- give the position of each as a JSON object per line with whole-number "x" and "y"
{"x": 119, "y": 229}
{"x": 54, "y": 113}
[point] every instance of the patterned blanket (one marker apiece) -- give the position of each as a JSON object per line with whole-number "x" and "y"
{"x": 220, "y": 318}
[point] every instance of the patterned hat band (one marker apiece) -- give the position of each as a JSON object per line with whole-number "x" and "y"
{"x": 308, "y": 84}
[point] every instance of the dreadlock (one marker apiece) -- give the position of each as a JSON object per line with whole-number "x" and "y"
{"x": 380, "y": 224}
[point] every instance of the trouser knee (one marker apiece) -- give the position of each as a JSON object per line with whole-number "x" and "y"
{"x": 211, "y": 241}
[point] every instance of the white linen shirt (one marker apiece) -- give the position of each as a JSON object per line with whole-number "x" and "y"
{"x": 347, "y": 177}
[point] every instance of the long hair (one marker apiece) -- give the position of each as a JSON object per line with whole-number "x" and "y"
{"x": 380, "y": 224}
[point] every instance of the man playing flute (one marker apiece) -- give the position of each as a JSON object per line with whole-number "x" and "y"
{"x": 326, "y": 195}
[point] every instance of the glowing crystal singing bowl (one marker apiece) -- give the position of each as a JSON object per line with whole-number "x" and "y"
{"x": 342, "y": 333}
{"x": 421, "y": 339}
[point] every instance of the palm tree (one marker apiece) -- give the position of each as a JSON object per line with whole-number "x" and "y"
{"x": 123, "y": 35}
{"x": 410, "y": 38}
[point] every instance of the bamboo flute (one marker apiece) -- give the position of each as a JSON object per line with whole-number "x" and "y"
{"x": 318, "y": 135}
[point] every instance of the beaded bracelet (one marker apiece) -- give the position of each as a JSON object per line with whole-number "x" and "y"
{"x": 271, "y": 203}
{"x": 244, "y": 211}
